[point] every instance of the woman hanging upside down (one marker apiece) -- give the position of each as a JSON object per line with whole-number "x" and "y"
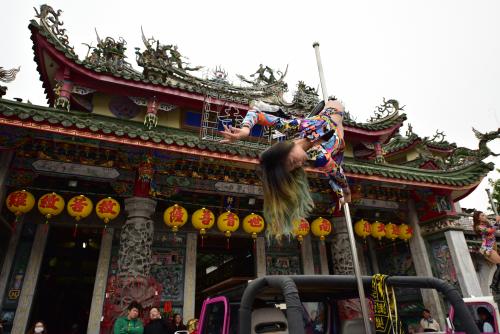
{"x": 484, "y": 228}
{"x": 318, "y": 139}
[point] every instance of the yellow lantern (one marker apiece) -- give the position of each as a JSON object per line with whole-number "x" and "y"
{"x": 300, "y": 229}
{"x": 175, "y": 217}
{"x": 405, "y": 232}
{"x": 107, "y": 209}
{"x": 228, "y": 222}
{"x": 362, "y": 228}
{"x": 19, "y": 202}
{"x": 79, "y": 207}
{"x": 253, "y": 224}
{"x": 378, "y": 230}
{"x": 50, "y": 205}
{"x": 321, "y": 228}
{"x": 202, "y": 220}
{"x": 391, "y": 231}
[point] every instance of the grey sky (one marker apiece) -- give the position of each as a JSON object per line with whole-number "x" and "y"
{"x": 439, "y": 58}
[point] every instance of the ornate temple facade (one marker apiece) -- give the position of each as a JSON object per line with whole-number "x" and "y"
{"x": 148, "y": 138}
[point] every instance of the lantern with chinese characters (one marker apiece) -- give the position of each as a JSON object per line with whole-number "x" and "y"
{"x": 391, "y": 231}
{"x": 321, "y": 228}
{"x": 378, "y": 230}
{"x": 50, "y": 205}
{"x": 107, "y": 209}
{"x": 175, "y": 217}
{"x": 300, "y": 229}
{"x": 79, "y": 207}
{"x": 20, "y": 202}
{"x": 202, "y": 220}
{"x": 228, "y": 222}
{"x": 253, "y": 224}
{"x": 362, "y": 228}
{"x": 405, "y": 232}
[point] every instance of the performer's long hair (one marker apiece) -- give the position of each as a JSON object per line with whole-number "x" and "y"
{"x": 286, "y": 193}
{"x": 476, "y": 221}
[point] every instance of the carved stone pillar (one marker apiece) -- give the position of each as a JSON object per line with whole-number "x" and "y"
{"x": 343, "y": 265}
{"x": 136, "y": 238}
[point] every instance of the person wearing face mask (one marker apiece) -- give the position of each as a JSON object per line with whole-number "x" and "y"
{"x": 38, "y": 328}
{"x": 156, "y": 324}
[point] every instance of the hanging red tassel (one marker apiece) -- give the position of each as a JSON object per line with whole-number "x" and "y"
{"x": 227, "y": 243}
{"x": 202, "y": 239}
{"x": 74, "y": 230}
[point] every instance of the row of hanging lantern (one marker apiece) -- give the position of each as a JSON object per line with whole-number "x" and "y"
{"x": 379, "y": 230}
{"x": 228, "y": 222}
{"x": 79, "y": 207}
{"x": 51, "y": 204}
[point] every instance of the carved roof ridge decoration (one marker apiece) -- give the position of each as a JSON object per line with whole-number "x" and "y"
{"x": 437, "y": 141}
{"x": 458, "y": 176}
{"x": 399, "y": 143}
{"x": 389, "y": 109}
{"x": 49, "y": 20}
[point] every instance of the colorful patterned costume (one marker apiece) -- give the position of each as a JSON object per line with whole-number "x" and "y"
{"x": 327, "y": 154}
{"x": 489, "y": 241}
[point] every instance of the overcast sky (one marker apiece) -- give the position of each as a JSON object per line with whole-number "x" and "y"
{"x": 439, "y": 58}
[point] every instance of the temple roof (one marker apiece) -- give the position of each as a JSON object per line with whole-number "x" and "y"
{"x": 157, "y": 75}
{"x": 460, "y": 176}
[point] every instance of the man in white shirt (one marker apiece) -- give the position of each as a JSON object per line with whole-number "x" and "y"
{"x": 427, "y": 323}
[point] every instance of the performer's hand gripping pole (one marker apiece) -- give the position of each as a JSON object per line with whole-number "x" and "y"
{"x": 492, "y": 203}
{"x": 347, "y": 213}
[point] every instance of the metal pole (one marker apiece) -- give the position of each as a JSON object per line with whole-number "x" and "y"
{"x": 347, "y": 214}
{"x": 493, "y": 206}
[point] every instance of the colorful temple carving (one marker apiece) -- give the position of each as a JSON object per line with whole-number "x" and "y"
{"x": 148, "y": 138}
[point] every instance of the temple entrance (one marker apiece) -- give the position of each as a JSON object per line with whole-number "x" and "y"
{"x": 66, "y": 280}
{"x": 223, "y": 271}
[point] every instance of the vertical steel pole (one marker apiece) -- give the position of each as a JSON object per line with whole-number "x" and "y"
{"x": 347, "y": 214}
{"x": 493, "y": 206}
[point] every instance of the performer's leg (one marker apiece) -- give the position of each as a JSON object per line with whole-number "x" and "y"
{"x": 493, "y": 257}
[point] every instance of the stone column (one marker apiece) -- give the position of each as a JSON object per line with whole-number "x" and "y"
{"x": 422, "y": 265}
{"x": 101, "y": 279}
{"x": 466, "y": 273}
{"x": 136, "y": 238}
{"x": 30, "y": 280}
{"x": 484, "y": 274}
{"x": 307, "y": 256}
{"x": 190, "y": 276}
{"x": 323, "y": 259}
{"x": 9, "y": 260}
{"x": 260, "y": 257}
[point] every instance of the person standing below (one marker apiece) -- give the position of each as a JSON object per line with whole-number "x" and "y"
{"x": 131, "y": 324}
{"x": 177, "y": 324}
{"x": 486, "y": 319}
{"x": 427, "y": 323}
{"x": 38, "y": 328}
{"x": 157, "y": 325}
